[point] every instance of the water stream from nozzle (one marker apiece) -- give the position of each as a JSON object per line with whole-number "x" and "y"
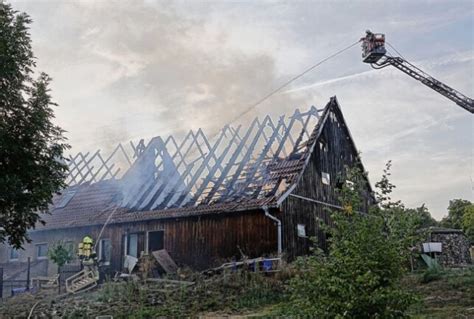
{"x": 105, "y": 224}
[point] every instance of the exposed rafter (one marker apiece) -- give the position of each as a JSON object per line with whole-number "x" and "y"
{"x": 236, "y": 164}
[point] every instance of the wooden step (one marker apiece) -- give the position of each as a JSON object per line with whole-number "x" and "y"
{"x": 82, "y": 282}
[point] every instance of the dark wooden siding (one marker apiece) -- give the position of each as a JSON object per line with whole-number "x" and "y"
{"x": 198, "y": 242}
{"x": 334, "y": 150}
{"x": 205, "y": 240}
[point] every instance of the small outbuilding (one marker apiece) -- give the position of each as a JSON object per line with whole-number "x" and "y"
{"x": 449, "y": 246}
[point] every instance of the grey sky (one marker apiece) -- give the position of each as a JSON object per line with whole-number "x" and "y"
{"x": 124, "y": 70}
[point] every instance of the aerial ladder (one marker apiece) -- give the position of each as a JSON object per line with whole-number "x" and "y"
{"x": 375, "y": 53}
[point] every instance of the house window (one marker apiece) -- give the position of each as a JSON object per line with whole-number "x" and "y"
{"x": 71, "y": 249}
{"x": 301, "y": 230}
{"x": 155, "y": 240}
{"x": 132, "y": 245}
{"x": 350, "y": 185}
{"x": 65, "y": 199}
{"x": 14, "y": 253}
{"x": 105, "y": 251}
{"x": 323, "y": 146}
{"x": 41, "y": 251}
{"x": 325, "y": 178}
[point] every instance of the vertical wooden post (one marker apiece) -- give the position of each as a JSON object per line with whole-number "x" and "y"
{"x": 28, "y": 272}
{"x": 59, "y": 280}
{"x": 1, "y": 283}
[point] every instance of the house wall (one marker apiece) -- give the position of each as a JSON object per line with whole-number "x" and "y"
{"x": 199, "y": 242}
{"x": 332, "y": 156}
{"x": 40, "y": 266}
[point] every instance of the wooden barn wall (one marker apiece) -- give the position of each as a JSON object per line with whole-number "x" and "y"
{"x": 198, "y": 242}
{"x": 203, "y": 241}
{"x": 331, "y": 156}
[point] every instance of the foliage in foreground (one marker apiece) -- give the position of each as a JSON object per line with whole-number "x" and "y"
{"x": 360, "y": 277}
{"x": 32, "y": 165}
{"x": 241, "y": 293}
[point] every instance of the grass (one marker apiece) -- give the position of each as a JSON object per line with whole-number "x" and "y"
{"x": 447, "y": 294}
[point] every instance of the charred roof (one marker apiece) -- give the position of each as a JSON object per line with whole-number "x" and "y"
{"x": 237, "y": 169}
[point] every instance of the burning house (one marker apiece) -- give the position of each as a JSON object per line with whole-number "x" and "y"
{"x": 260, "y": 191}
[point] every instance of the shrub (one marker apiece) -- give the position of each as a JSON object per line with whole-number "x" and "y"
{"x": 360, "y": 277}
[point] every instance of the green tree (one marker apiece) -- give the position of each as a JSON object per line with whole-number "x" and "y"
{"x": 423, "y": 215}
{"x": 456, "y": 210}
{"x": 359, "y": 278}
{"x": 60, "y": 255}
{"x": 468, "y": 222}
{"x": 32, "y": 166}
{"x": 404, "y": 227}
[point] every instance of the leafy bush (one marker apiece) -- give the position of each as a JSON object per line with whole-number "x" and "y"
{"x": 434, "y": 270}
{"x": 359, "y": 278}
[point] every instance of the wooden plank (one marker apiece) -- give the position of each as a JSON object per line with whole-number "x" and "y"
{"x": 170, "y": 281}
{"x": 165, "y": 261}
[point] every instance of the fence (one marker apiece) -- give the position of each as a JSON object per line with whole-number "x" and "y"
{"x": 10, "y": 287}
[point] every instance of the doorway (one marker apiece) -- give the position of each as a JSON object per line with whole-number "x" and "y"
{"x": 155, "y": 240}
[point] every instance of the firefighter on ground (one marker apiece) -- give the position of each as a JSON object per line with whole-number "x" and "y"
{"x": 88, "y": 256}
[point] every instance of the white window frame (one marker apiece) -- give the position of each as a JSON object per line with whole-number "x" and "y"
{"x": 350, "y": 184}
{"x": 301, "y": 230}
{"x": 126, "y": 251}
{"x": 105, "y": 263}
{"x": 36, "y": 251}
{"x": 10, "y": 254}
{"x": 73, "y": 251}
{"x": 325, "y": 178}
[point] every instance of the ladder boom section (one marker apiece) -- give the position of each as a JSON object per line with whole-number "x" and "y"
{"x": 443, "y": 89}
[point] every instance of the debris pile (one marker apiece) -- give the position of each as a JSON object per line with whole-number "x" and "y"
{"x": 182, "y": 293}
